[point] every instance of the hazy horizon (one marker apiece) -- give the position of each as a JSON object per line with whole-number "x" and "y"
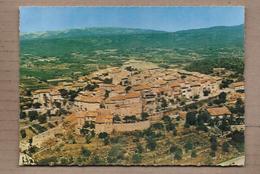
{"x": 169, "y": 19}
{"x": 82, "y": 28}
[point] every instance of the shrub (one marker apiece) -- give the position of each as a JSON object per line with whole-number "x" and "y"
{"x": 85, "y": 152}
{"x": 23, "y": 133}
{"x": 137, "y": 158}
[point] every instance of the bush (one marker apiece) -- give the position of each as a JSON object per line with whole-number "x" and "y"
{"x": 95, "y": 160}
{"x": 225, "y": 147}
{"x": 188, "y": 145}
{"x": 33, "y": 115}
{"x": 178, "y": 154}
{"x": 212, "y": 153}
{"x": 151, "y": 144}
{"x": 22, "y": 115}
{"x": 103, "y": 135}
{"x": 137, "y": 158}
{"x": 158, "y": 126}
{"x": 173, "y": 148}
{"x": 166, "y": 119}
{"x": 42, "y": 119}
{"x": 39, "y": 128}
{"x": 139, "y": 148}
{"x": 144, "y": 116}
{"x": 23, "y": 133}
{"x": 214, "y": 144}
{"x": 85, "y": 152}
{"x": 191, "y": 118}
{"x": 114, "y": 154}
{"x": 116, "y": 119}
{"x": 48, "y": 161}
{"x": 194, "y": 154}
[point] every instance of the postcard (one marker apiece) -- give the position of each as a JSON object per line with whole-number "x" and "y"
{"x": 132, "y": 86}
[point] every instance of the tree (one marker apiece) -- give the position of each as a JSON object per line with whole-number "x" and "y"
{"x": 214, "y": 143}
{"x": 203, "y": 117}
{"x": 178, "y": 154}
{"x": 206, "y": 92}
{"x": 225, "y": 147}
{"x": 194, "y": 154}
{"x": 128, "y": 88}
{"x": 212, "y": 153}
{"x": 107, "y": 92}
{"x": 114, "y": 154}
{"x": 144, "y": 116}
{"x": 23, "y": 133}
{"x": 130, "y": 119}
{"x": 72, "y": 95}
{"x": 108, "y": 80}
{"x": 42, "y": 119}
{"x": 224, "y": 126}
{"x": 238, "y": 139}
{"x": 166, "y": 119}
{"x": 174, "y": 132}
{"x": 191, "y": 118}
{"x": 103, "y": 135}
{"x": 188, "y": 145}
{"x": 30, "y": 141}
{"x": 33, "y": 115}
{"x": 151, "y": 144}
{"x": 85, "y": 152}
{"x": 164, "y": 103}
{"x": 64, "y": 93}
{"x": 106, "y": 141}
{"x": 158, "y": 126}
{"x": 116, "y": 119}
{"x": 170, "y": 127}
{"x": 173, "y": 148}
{"x": 139, "y": 148}
{"x": 137, "y": 158}
{"x": 22, "y": 115}
{"x": 87, "y": 129}
{"x": 222, "y": 97}
{"x": 95, "y": 160}
{"x": 57, "y": 104}
{"x": 37, "y": 105}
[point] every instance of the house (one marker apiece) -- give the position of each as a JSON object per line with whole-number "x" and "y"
{"x": 128, "y": 104}
{"x": 55, "y": 96}
{"x": 218, "y": 112}
{"x": 219, "y": 71}
{"x": 233, "y": 97}
{"x": 195, "y": 89}
{"x": 104, "y": 116}
{"x": 237, "y": 127}
{"x": 180, "y": 114}
{"x": 41, "y": 96}
{"x": 83, "y": 116}
{"x": 141, "y": 87}
{"x": 238, "y": 86}
{"x": 88, "y": 103}
{"x": 149, "y": 101}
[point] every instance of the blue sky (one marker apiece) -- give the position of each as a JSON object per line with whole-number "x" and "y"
{"x": 34, "y": 19}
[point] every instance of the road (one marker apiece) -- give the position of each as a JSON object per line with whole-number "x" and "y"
{"x": 239, "y": 161}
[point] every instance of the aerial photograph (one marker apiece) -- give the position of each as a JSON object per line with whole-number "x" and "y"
{"x": 132, "y": 86}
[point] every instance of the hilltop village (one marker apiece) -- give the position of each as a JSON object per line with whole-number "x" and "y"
{"x": 129, "y": 98}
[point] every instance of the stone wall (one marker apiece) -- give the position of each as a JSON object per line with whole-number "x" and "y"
{"x": 122, "y": 127}
{"x": 39, "y": 139}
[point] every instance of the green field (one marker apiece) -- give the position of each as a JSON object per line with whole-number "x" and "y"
{"x": 60, "y": 54}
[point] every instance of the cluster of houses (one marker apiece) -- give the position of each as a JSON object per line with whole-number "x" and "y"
{"x": 130, "y": 91}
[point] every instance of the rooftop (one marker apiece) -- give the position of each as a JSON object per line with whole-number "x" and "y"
{"x": 219, "y": 111}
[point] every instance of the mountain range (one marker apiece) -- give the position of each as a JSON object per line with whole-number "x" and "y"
{"x": 55, "y": 43}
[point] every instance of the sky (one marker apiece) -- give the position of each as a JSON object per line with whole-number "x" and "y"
{"x": 37, "y": 19}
